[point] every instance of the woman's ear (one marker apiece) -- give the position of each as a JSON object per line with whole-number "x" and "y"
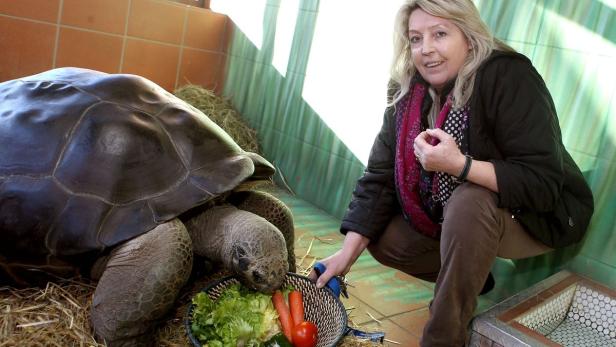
{"x": 469, "y": 43}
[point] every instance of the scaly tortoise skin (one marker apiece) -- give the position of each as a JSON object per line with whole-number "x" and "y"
{"x": 111, "y": 174}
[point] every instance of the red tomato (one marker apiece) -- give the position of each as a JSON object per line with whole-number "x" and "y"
{"x": 304, "y": 334}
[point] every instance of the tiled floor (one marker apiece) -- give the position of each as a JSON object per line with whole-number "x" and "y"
{"x": 380, "y": 298}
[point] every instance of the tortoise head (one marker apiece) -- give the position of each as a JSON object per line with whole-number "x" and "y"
{"x": 261, "y": 263}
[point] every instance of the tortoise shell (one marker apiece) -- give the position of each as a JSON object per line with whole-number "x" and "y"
{"x": 89, "y": 159}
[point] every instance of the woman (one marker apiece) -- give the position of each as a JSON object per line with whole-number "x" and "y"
{"x": 469, "y": 165}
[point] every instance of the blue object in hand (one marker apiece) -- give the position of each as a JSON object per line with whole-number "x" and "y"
{"x": 333, "y": 283}
{"x": 337, "y": 288}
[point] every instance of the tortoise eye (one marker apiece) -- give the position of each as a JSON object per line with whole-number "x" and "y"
{"x": 243, "y": 264}
{"x": 256, "y": 276}
{"x": 239, "y": 252}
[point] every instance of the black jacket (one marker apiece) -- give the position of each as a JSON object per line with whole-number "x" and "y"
{"x": 513, "y": 124}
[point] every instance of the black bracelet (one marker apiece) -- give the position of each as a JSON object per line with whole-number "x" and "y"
{"x": 466, "y": 169}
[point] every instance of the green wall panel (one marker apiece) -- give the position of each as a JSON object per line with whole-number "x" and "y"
{"x": 571, "y": 76}
{"x": 594, "y": 15}
{"x": 315, "y": 163}
{"x": 507, "y": 17}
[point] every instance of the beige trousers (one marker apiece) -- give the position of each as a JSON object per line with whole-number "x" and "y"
{"x": 474, "y": 232}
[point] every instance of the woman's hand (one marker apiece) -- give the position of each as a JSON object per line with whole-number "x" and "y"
{"x": 437, "y": 151}
{"x": 337, "y": 264}
{"x": 441, "y": 155}
{"x": 340, "y": 262}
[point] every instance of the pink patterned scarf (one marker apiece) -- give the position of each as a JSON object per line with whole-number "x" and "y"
{"x": 407, "y": 171}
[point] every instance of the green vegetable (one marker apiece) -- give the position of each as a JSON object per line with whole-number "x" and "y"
{"x": 278, "y": 340}
{"x": 239, "y": 317}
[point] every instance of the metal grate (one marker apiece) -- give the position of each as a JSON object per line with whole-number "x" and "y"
{"x": 573, "y": 333}
{"x": 546, "y": 317}
{"x": 578, "y": 316}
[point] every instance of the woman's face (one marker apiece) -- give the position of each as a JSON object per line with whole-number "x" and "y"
{"x": 438, "y": 48}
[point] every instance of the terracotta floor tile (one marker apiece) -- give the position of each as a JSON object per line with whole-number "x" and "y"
{"x": 89, "y": 50}
{"x": 34, "y": 9}
{"x": 357, "y": 311}
{"x": 156, "y": 20}
{"x": 394, "y": 335}
{"x": 108, "y": 16}
{"x": 203, "y": 68}
{"x": 151, "y": 60}
{"x": 413, "y": 321}
{"x": 382, "y": 289}
{"x": 205, "y": 29}
{"x": 26, "y": 46}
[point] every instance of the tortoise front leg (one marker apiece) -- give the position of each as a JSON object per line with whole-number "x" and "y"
{"x": 140, "y": 283}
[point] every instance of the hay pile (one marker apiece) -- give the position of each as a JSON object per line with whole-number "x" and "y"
{"x": 222, "y": 113}
{"x": 57, "y": 315}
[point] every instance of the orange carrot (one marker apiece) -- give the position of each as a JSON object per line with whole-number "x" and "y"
{"x": 296, "y": 305}
{"x": 284, "y": 315}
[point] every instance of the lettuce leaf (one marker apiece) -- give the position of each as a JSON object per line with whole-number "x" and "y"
{"x": 239, "y": 317}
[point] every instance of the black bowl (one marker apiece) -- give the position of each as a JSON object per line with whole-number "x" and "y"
{"x": 321, "y": 307}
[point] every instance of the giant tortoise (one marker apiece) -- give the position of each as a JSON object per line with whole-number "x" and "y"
{"x": 114, "y": 176}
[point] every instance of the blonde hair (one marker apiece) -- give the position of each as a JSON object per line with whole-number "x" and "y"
{"x": 465, "y": 16}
